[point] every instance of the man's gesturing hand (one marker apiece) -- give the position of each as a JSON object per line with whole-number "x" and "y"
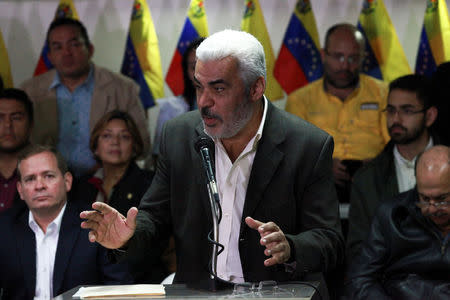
{"x": 274, "y": 239}
{"x": 108, "y": 227}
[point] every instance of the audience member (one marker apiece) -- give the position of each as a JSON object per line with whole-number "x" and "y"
{"x": 441, "y": 92}
{"x": 16, "y": 122}
{"x": 43, "y": 251}
{"x": 70, "y": 99}
{"x": 346, "y": 104}
{"x": 279, "y": 206}
{"x": 174, "y": 106}
{"x": 116, "y": 143}
{"x": 409, "y": 116}
{"x": 407, "y": 252}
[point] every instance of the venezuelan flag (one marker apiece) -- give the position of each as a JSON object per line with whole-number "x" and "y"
{"x": 5, "y": 69}
{"x": 434, "y": 47}
{"x": 195, "y": 26}
{"x": 253, "y": 23}
{"x": 385, "y": 58}
{"x": 299, "y": 61}
{"x": 66, "y": 9}
{"x": 142, "y": 61}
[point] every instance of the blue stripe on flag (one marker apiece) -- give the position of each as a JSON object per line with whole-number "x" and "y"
{"x": 131, "y": 68}
{"x": 425, "y": 63}
{"x": 189, "y": 34}
{"x": 370, "y": 64}
{"x": 44, "y": 55}
{"x": 302, "y": 47}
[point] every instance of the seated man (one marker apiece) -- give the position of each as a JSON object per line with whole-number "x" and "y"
{"x": 16, "y": 121}
{"x": 279, "y": 208}
{"x": 410, "y": 115}
{"x": 346, "y": 104}
{"x": 407, "y": 253}
{"x": 43, "y": 250}
{"x": 71, "y": 98}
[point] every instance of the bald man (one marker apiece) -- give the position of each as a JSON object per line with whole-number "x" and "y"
{"x": 346, "y": 104}
{"x": 407, "y": 253}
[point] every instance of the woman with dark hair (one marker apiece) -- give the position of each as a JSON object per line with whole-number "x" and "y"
{"x": 174, "y": 106}
{"x": 116, "y": 142}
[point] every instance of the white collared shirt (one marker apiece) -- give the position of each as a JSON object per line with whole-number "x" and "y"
{"x": 232, "y": 181}
{"x": 46, "y": 244}
{"x": 404, "y": 169}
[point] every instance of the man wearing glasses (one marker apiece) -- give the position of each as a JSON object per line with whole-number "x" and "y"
{"x": 409, "y": 116}
{"x": 346, "y": 104}
{"x": 407, "y": 253}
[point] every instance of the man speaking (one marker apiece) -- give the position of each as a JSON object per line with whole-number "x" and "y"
{"x": 279, "y": 207}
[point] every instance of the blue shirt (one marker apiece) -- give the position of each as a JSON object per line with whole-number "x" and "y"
{"x": 74, "y": 114}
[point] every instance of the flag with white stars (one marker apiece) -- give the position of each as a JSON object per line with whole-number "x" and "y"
{"x": 65, "y": 9}
{"x": 299, "y": 61}
{"x": 384, "y": 56}
{"x": 142, "y": 61}
{"x": 195, "y": 26}
{"x": 434, "y": 45}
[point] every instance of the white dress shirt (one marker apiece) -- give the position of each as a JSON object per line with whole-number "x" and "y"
{"x": 404, "y": 169}
{"x": 232, "y": 181}
{"x": 46, "y": 244}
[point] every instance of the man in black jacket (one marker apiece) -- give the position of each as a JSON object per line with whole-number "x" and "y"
{"x": 409, "y": 115}
{"x": 407, "y": 254}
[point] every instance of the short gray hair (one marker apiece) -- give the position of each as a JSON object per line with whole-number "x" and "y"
{"x": 242, "y": 46}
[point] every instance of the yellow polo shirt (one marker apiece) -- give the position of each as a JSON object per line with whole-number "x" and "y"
{"x": 357, "y": 124}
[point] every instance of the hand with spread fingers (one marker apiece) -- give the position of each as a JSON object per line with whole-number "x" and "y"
{"x": 277, "y": 246}
{"x": 108, "y": 227}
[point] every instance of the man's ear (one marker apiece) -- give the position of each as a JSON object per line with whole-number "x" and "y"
{"x": 19, "y": 188}
{"x": 68, "y": 179}
{"x": 430, "y": 116}
{"x": 91, "y": 50}
{"x": 257, "y": 89}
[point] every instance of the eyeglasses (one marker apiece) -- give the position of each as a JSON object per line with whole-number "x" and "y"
{"x": 438, "y": 201}
{"x": 402, "y": 111}
{"x": 352, "y": 59}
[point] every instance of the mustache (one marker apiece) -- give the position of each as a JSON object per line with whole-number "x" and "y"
{"x": 436, "y": 214}
{"x": 207, "y": 113}
{"x": 397, "y": 126}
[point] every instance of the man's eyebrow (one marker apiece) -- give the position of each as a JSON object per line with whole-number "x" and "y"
{"x": 218, "y": 81}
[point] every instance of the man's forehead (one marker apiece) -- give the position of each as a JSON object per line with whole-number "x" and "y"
{"x": 65, "y": 32}
{"x": 39, "y": 163}
{"x": 11, "y": 103}
{"x": 403, "y": 97}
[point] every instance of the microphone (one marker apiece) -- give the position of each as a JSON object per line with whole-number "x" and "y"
{"x": 203, "y": 146}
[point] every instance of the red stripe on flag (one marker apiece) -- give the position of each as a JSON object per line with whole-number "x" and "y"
{"x": 288, "y": 72}
{"x": 41, "y": 67}
{"x": 174, "y": 77}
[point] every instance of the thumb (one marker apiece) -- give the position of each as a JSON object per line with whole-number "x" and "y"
{"x": 252, "y": 223}
{"x": 131, "y": 217}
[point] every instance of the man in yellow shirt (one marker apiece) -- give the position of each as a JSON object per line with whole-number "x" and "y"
{"x": 346, "y": 104}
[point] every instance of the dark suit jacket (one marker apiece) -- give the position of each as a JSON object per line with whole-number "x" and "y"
{"x": 127, "y": 193}
{"x": 77, "y": 261}
{"x": 290, "y": 184}
{"x": 373, "y": 183}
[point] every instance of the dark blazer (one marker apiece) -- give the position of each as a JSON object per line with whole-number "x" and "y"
{"x": 77, "y": 261}
{"x": 127, "y": 193}
{"x": 290, "y": 184}
{"x": 374, "y": 182}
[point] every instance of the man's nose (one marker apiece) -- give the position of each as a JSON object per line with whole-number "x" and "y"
{"x": 204, "y": 99}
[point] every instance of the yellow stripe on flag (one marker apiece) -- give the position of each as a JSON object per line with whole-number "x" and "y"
{"x": 253, "y": 23}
